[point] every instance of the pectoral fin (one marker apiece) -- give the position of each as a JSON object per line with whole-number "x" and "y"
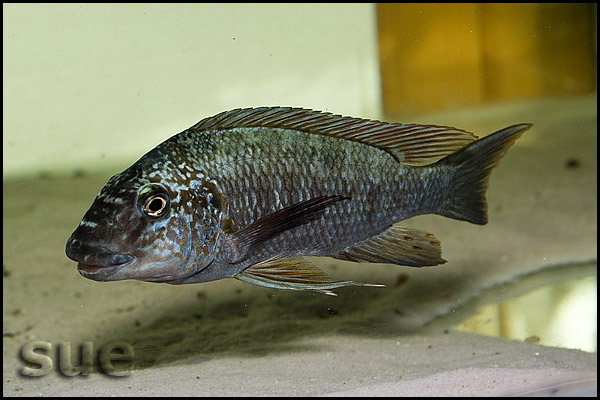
{"x": 242, "y": 242}
{"x": 293, "y": 274}
{"x": 397, "y": 245}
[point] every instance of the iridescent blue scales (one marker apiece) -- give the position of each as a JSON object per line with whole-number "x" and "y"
{"x": 247, "y": 193}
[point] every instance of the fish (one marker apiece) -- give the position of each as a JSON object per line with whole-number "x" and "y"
{"x": 251, "y": 192}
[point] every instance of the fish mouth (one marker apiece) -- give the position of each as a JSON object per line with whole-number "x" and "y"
{"x": 100, "y": 272}
{"x": 96, "y": 262}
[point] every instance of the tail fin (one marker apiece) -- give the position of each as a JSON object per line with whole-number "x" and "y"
{"x": 472, "y": 165}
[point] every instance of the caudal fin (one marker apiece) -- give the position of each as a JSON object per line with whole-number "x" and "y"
{"x": 472, "y": 165}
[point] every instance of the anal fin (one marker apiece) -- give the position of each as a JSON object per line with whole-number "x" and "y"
{"x": 292, "y": 273}
{"x": 397, "y": 245}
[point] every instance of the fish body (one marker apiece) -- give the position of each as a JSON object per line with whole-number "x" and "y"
{"x": 246, "y": 193}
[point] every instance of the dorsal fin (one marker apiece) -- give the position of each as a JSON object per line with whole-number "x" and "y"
{"x": 409, "y": 144}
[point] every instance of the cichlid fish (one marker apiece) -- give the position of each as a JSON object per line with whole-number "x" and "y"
{"x": 245, "y": 193}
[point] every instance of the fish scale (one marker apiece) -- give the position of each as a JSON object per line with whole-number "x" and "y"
{"x": 246, "y": 193}
{"x": 295, "y": 174}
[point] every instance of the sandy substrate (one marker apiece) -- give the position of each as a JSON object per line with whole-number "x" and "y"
{"x": 231, "y": 338}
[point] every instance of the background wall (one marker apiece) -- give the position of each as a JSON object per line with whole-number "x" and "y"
{"x": 89, "y": 86}
{"x": 439, "y": 56}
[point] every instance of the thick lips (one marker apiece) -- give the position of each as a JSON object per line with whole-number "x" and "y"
{"x": 103, "y": 272}
{"x": 95, "y": 262}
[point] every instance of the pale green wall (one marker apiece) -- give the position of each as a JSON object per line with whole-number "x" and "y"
{"x": 93, "y": 86}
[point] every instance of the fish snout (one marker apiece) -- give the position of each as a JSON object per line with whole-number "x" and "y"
{"x": 95, "y": 262}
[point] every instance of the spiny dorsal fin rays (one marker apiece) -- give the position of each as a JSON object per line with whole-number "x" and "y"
{"x": 409, "y": 144}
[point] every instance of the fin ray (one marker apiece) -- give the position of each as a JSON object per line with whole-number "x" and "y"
{"x": 473, "y": 165}
{"x": 280, "y": 221}
{"x": 411, "y": 144}
{"x": 292, "y": 273}
{"x": 397, "y": 245}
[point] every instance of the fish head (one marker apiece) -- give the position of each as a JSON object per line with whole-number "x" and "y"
{"x": 148, "y": 227}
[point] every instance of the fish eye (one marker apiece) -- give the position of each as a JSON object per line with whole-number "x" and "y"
{"x": 155, "y": 203}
